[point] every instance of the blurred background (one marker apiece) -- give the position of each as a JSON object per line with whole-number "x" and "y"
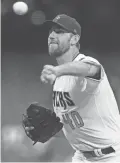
{"x": 24, "y": 53}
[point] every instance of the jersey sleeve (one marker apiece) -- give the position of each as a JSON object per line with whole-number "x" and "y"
{"x": 90, "y": 84}
{"x": 95, "y": 62}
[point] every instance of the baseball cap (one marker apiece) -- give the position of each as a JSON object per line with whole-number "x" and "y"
{"x": 66, "y": 22}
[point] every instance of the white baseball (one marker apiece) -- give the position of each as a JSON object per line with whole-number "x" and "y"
{"x": 20, "y": 8}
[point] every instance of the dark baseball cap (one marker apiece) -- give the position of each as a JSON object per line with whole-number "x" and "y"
{"x": 66, "y": 22}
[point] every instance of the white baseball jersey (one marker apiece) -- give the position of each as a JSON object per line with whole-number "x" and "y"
{"x": 88, "y": 109}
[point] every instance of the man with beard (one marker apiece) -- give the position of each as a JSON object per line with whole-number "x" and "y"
{"x": 82, "y": 95}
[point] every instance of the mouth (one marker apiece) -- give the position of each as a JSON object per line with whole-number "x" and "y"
{"x": 52, "y": 43}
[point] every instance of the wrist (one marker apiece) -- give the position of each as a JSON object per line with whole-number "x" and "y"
{"x": 58, "y": 71}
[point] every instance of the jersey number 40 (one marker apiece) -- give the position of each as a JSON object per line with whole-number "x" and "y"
{"x": 73, "y": 119}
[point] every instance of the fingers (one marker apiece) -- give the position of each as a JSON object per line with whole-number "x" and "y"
{"x": 46, "y": 71}
{"x": 48, "y": 78}
{"x": 50, "y": 67}
{"x": 44, "y": 74}
{"x": 48, "y": 74}
{"x": 28, "y": 129}
{"x": 43, "y": 79}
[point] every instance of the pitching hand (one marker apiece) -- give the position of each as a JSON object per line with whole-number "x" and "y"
{"x": 49, "y": 74}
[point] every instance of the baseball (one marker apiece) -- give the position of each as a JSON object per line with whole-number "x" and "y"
{"x": 20, "y": 8}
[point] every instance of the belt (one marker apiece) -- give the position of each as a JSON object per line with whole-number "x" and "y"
{"x": 100, "y": 152}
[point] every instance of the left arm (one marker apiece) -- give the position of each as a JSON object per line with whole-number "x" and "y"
{"x": 78, "y": 69}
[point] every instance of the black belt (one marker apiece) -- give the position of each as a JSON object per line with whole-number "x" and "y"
{"x": 100, "y": 152}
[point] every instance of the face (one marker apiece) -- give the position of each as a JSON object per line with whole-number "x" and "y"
{"x": 58, "y": 41}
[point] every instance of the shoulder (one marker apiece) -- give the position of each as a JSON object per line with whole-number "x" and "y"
{"x": 90, "y": 60}
{"x": 84, "y": 58}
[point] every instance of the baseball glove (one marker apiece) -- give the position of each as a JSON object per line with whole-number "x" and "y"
{"x": 44, "y": 122}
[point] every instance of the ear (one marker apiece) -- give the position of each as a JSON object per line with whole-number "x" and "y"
{"x": 74, "y": 39}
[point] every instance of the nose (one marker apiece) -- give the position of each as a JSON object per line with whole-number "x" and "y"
{"x": 52, "y": 35}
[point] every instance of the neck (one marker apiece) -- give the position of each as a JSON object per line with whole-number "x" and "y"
{"x": 68, "y": 56}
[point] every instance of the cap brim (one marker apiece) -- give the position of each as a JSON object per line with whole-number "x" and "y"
{"x": 49, "y": 24}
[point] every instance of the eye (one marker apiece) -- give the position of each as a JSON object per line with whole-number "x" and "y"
{"x": 58, "y": 30}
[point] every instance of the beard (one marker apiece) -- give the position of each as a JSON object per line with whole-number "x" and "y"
{"x": 57, "y": 50}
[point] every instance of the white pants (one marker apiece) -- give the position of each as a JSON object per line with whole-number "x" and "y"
{"x": 109, "y": 158}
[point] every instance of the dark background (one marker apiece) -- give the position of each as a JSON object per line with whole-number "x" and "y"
{"x": 24, "y": 53}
